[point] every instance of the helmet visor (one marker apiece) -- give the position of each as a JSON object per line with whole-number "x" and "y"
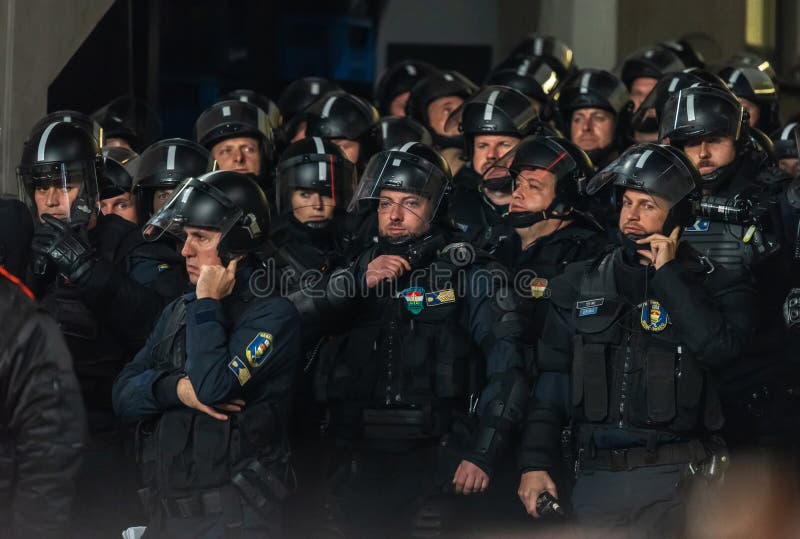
{"x": 396, "y": 177}
{"x": 689, "y": 114}
{"x": 314, "y": 180}
{"x": 193, "y": 204}
{"x": 67, "y": 191}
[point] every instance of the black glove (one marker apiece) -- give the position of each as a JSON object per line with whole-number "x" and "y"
{"x": 63, "y": 246}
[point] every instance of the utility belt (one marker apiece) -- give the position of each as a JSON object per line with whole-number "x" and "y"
{"x": 618, "y": 460}
{"x": 422, "y": 423}
{"x": 261, "y": 486}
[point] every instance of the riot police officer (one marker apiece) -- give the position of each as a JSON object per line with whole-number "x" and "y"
{"x": 398, "y": 130}
{"x": 394, "y": 85}
{"x": 642, "y": 69}
{"x": 785, "y": 142}
{"x": 756, "y": 92}
{"x": 639, "y": 335}
{"x": 403, "y": 408}
{"x": 116, "y": 184}
{"x": 239, "y": 136}
{"x": 594, "y": 108}
{"x": 349, "y": 122}
{"x": 210, "y": 386}
{"x": 492, "y": 121}
{"x": 295, "y": 99}
{"x": 44, "y": 420}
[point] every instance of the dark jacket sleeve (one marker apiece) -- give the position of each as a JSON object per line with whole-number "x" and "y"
{"x": 712, "y": 316}
{"x": 45, "y": 420}
{"x": 221, "y": 363}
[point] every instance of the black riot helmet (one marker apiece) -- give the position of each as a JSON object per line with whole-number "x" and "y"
{"x": 296, "y": 98}
{"x": 398, "y": 79}
{"x": 569, "y": 164}
{"x": 163, "y": 166}
{"x": 785, "y": 141}
{"x": 261, "y": 101}
{"x": 595, "y": 88}
{"x": 690, "y": 56}
{"x": 131, "y": 120}
{"x": 651, "y": 62}
{"x": 647, "y": 115}
{"x": 553, "y": 51}
{"x": 748, "y": 82}
{"x": 232, "y": 119}
{"x": 223, "y": 200}
{"x": 340, "y": 115}
{"x": 702, "y": 110}
{"x": 657, "y": 170}
{"x": 316, "y": 165}
{"x": 494, "y": 110}
{"x": 527, "y": 74}
{"x": 74, "y": 117}
{"x": 119, "y": 169}
{"x": 64, "y": 156}
{"x": 431, "y": 88}
{"x": 753, "y": 60}
{"x": 413, "y": 168}
{"x": 398, "y": 130}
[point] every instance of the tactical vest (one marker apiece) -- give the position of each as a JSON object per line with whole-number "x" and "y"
{"x": 625, "y": 375}
{"x": 408, "y": 363}
{"x": 724, "y": 243}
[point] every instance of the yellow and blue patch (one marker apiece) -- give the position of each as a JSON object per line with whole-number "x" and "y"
{"x": 240, "y": 370}
{"x": 163, "y": 267}
{"x": 259, "y": 349}
{"x": 654, "y": 317}
{"x": 441, "y": 297}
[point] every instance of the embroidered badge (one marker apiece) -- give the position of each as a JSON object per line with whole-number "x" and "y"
{"x": 240, "y": 370}
{"x": 259, "y": 349}
{"x": 587, "y": 311}
{"x": 654, "y": 317}
{"x": 414, "y": 298}
{"x": 539, "y": 288}
{"x": 589, "y": 303}
{"x": 700, "y": 225}
{"x": 432, "y": 299}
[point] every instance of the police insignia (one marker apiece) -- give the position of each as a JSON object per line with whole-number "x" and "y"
{"x": 432, "y": 299}
{"x": 654, "y": 317}
{"x": 589, "y": 307}
{"x": 259, "y": 349}
{"x": 413, "y": 297}
{"x": 240, "y": 370}
{"x": 700, "y": 225}
{"x": 539, "y": 288}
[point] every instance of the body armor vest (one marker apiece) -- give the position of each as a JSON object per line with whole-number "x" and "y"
{"x": 724, "y": 243}
{"x": 407, "y": 362}
{"x": 626, "y": 375}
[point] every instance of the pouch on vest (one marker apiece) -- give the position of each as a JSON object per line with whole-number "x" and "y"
{"x": 211, "y": 443}
{"x": 174, "y": 462}
{"x": 660, "y": 385}
{"x": 589, "y": 382}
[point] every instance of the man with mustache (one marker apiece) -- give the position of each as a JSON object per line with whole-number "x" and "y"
{"x": 493, "y": 122}
{"x": 629, "y": 354}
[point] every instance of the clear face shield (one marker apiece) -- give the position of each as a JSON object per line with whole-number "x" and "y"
{"x": 67, "y": 191}
{"x": 194, "y": 204}
{"x": 396, "y": 178}
{"x": 315, "y": 181}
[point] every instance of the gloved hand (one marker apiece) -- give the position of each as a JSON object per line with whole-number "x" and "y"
{"x": 64, "y": 247}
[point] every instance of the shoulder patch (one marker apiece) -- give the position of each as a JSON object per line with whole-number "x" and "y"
{"x": 259, "y": 349}
{"x": 240, "y": 370}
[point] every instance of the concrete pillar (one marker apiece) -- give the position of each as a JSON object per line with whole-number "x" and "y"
{"x": 37, "y": 38}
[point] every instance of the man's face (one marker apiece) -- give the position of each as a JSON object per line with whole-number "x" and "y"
{"x": 534, "y": 190}
{"x": 403, "y": 214}
{"x": 200, "y": 249}
{"x": 641, "y": 88}
{"x": 238, "y": 154}
{"x": 440, "y": 109}
{"x": 351, "y": 148}
{"x": 752, "y": 109}
{"x": 160, "y": 197}
{"x": 56, "y": 200}
{"x": 398, "y": 105}
{"x": 309, "y": 206}
{"x": 710, "y": 152}
{"x": 123, "y": 205}
{"x": 486, "y": 149}
{"x": 592, "y": 129}
{"x": 790, "y": 165}
{"x": 118, "y": 143}
{"x": 642, "y": 214}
